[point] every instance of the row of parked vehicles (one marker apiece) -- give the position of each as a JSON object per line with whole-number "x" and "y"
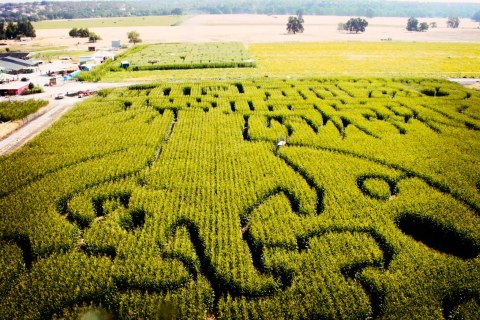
{"x": 79, "y": 94}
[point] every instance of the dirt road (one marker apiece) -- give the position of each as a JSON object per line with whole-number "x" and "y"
{"x": 46, "y": 117}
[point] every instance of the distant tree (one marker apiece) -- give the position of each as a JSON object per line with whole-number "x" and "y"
{"x": 433, "y": 25}
{"x": 355, "y": 25}
{"x": 476, "y": 16}
{"x": 412, "y": 24}
{"x": 83, "y": 33}
{"x": 2, "y": 31}
{"x": 31, "y": 86}
{"x": 341, "y": 26}
{"x": 25, "y": 29}
{"x": 369, "y": 13}
{"x": 134, "y": 37}
{"x": 73, "y": 33}
{"x": 11, "y": 31}
{"x": 79, "y": 33}
{"x": 423, "y": 26}
{"x": 295, "y": 24}
{"x": 177, "y": 12}
{"x": 93, "y": 37}
{"x": 453, "y": 22}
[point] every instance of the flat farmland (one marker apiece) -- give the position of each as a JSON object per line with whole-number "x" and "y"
{"x": 370, "y": 58}
{"x": 187, "y": 55}
{"x": 248, "y": 29}
{"x": 316, "y": 198}
{"x": 391, "y": 59}
{"x": 110, "y": 22}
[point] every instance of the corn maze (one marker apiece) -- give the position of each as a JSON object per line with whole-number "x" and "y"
{"x": 257, "y": 199}
{"x": 167, "y": 56}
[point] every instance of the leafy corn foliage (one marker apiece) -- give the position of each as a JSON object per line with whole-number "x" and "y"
{"x": 15, "y": 110}
{"x": 173, "y": 200}
{"x": 167, "y": 56}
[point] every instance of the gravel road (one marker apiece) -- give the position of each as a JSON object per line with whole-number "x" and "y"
{"x": 46, "y": 117}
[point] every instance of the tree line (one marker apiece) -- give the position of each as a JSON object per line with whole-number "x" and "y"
{"x": 49, "y": 10}
{"x": 16, "y": 30}
{"x": 295, "y": 24}
{"x": 84, "y": 33}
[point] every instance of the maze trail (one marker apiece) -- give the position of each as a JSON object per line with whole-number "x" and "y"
{"x": 301, "y": 110}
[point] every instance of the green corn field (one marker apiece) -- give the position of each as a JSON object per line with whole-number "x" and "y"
{"x": 328, "y": 198}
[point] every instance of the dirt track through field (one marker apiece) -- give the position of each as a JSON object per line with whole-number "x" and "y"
{"x": 46, "y": 117}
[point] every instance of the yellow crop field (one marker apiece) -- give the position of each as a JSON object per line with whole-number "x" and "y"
{"x": 369, "y": 58}
{"x": 377, "y": 59}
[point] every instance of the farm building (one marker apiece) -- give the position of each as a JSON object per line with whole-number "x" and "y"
{"x": 18, "y": 55}
{"x": 14, "y": 65}
{"x": 13, "y": 88}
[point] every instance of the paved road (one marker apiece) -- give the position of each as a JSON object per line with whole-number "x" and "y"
{"x": 54, "y": 111}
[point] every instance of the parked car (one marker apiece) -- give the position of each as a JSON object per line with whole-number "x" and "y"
{"x": 24, "y": 79}
{"x": 59, "y": 96}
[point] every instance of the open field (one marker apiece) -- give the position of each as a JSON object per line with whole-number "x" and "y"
{"x": 172, "y": 200}
{"x": 391, "y": 59}
{"x": 110, "y": 22}
{"x": 256, "y": 29}
{"x": 187, "y": 56}
{"x": 51, "y": 55}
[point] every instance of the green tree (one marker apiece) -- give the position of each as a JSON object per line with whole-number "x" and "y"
{"x": 453, "y": 22}
{"x": 295, "y": 24}
{"x": 11, "y": 31}
{"x": 355, "y": 25}
{"x": 83, "y": 33}
{"x": 423, "y": 26}
{"x": 134, "y": 37}
{"x": 177, "y": 12}
{"x": 2, "y": 31}
{"x": 73, "y": 33}
{"x": 79, "y": 33}
{"x": 25, "y": 29}
{"x": 93, "y": 37}
{"x": 412, "y": 24}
